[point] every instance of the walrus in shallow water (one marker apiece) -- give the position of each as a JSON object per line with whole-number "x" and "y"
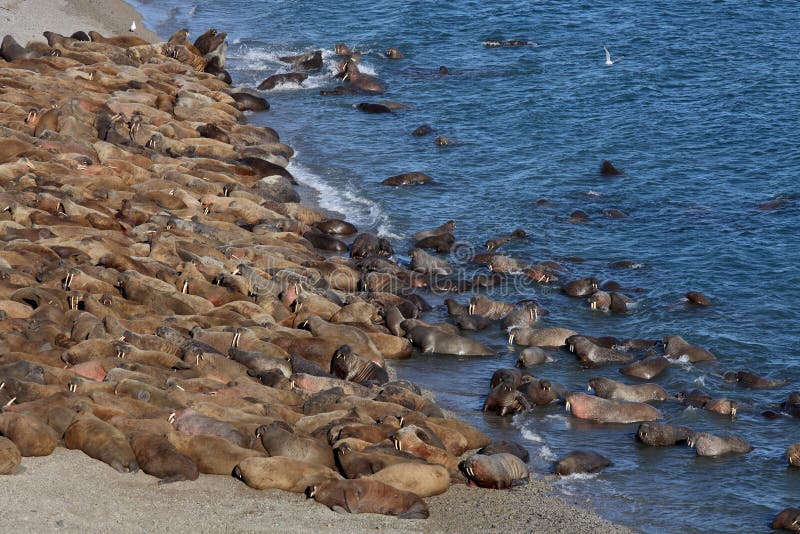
{"x": 676, "y": 347}
{"x": 750, "y": 380}
{"x": 498, "y": 471}
{"x": 661, "y": 435}
{"x": 408, "y": 178}
{"x": 283, "y": 79}
{"x": 793, "y": 455}
{"x": 510, "y": 447}
{"x": 429, "y": 339}
{"x": 593, "y": 355}
{"x": 585, "y": 406}
{"x": 368, "y": 497}
{"x": 647, "y": 368}
{"x": 614, "y": 390}
{"x": 581, "y": 462}
{"x": 787, "y": 519}
{"x": 710, "y": 445}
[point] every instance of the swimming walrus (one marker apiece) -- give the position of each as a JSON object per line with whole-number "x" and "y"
{"x": 662, "y": 435}
{"x": 581, "y": 462}
{"x": 585, "y": 406}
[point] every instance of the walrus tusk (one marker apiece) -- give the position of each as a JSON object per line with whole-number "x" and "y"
{"x": 733, "y": 412}
{"x": 171, "y": 418}
{"x": 73, "y": 387}
{"x": 235, "y": 341}
{"x": 593, "y": 305}
{"x": 179, "y": 387}
{"x": 569, "y": 407}
{"x": 397, "y": 445}
{"x": 471, "y": 309}
{"x": 2, "y": 385}
{"x": 510, "y": 339}
{"x": 9, "y": 403}
{"x": 185, "y": 288}
{"x": 589, "y": 388}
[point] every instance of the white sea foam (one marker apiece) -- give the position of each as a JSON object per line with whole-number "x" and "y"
{"x": 531, "y": 436}
{"x": 546, "y": 454}
{"x": 359, "y": 210}
{"x": 700, "y": 380}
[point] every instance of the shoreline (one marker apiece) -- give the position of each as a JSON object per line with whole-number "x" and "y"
{"x": 35, "y": 499}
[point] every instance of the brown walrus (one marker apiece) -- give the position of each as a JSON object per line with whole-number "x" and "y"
{"x": 10, "y": 457}
{"x": 368, "y": 497}
{"x": 787, "y": 519}
{"x": 793, "y": 455}
{"x": 710, "y": 445}
{"x": 647, "y": 368}
{"x": 287, "y": 474}
{"x": 750, "y": 380}
{"x": 585, "y": 406}
{"x": 212, "y": 454}
{"x": 591, "y": 355}
{"x": 279, "y": 439}
{"x": 499, "y": 471}
{"x": 101, "y": 441}
{"x": 661, "y": 435}
{"x": 31, "y": 436}
{"x": 156, "y": 456}
{"x": 676, "y": 347}
{"x": 611, "y": 389}
{"x": 420, "y": 478}
{"x": 581, "y": 462}
{"x": 347, "y": 365}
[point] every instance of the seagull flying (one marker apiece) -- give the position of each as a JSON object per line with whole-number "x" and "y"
{"x": 133, "y": 27}
{"x": 609, "y": 61}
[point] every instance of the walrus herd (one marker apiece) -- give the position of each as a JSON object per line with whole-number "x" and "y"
{"x": 168, "y": 305}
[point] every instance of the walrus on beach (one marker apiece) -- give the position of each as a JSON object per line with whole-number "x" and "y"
{"x": 287, "y": 474}
{"x": 10, "y": 457}
{"x": 279, "y": 439}
{"x": 156, "y": 456}
{"x": 101, "y": 441}
{"x": 419, "y": 478}
{"x": 368, "y": 497}
{"x": 498, "y": 471}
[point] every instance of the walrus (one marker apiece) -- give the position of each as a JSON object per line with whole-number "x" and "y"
{"x": 280, "y": 439}
{"x": 695, "y": 297}
{"x": 11, "y": 50}
{"x": 433, "y": 340}
{"x": 581, "y": 462}
{"x": 101, "y": 441}
{"x": 156, "y": 456}
{"x": 366, "y": 244}
{"x": 722, "y": 406}
{"x": 368, "y": 497}
{"x": 505, "y": 446}
{"x": 750, "y": 380}
{"x": 793, "y": 455}
{"x": 373, "y": 107}
{"x": 425, "y": 444}
{"x": 676, "y": 347}
{"x": 580, "y": 288}
{"x": 532, "y": 356}
{"x": 335, "y": 227}
{"x": 423, "y": 262}
{"x": 282, "y": 79}
{"x": 408, "y": 178}
{"x": 792, "y": 404}
{"x": 607, "y": 169}
{"x": 31, "y": 436}
{"x": 524, "y": 317}
{"x": 647, "y": 368}
{"x": 504, "y": 399}
{"x": 394, "y": 53}
{"x": 662, "y": 435}
{"x": 540, "y": 337}
{"x": 213, "y": 455}
{"x": 611, "y": 389}
{"x": 542, "y": 392}
{"x": 287, "y": 474}
{"x": 694, "y": 398}
{"x": 711, "y": 445}
{"x": 498, "y": 471}
{"x": 249, "y": 102}
{"x": 419, "y": 478}
{"x": 323, "y": 241}
{"x": 592, "y": 355}
{"x": 10, "y": 457}
{"x": 347, "y": 365}
{"x": 600, "y": 410}
{"x": 787, "y": 519}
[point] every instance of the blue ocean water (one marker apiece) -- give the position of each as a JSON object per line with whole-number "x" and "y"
{"x": 702, "y": 116}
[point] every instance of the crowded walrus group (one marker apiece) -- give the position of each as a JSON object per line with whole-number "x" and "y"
{"x": 168, "y": 304}
{"x": 163, "y": 306}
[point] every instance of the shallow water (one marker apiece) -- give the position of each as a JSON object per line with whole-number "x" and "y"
{"x": 701, "y": 114}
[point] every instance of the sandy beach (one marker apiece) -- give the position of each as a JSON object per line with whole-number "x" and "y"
{"x": 69, "y": 492}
